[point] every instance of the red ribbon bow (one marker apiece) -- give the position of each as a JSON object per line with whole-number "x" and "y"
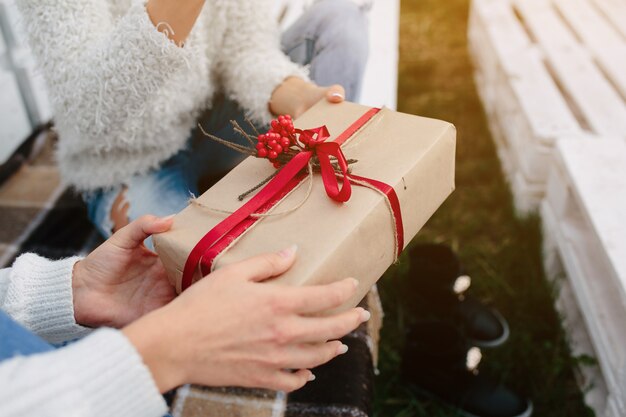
{"x": 220, "y": 237}
{"x": 317, "y": 145}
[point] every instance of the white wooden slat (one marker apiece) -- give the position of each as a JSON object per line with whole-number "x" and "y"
{"x": 598, "y": 177}
{"x": 601, "y": 105}
{"x": 14, "y": 122}
{"x": 539, "y": 97}
{"x": 592, "y": 381}
{"x": 604, "y": 42}
{"x": 526, "y": 196}
{"x": 15, "y": 30}
{"x": 526, "y": 111}
{"x": 599, "y": 305}
{"x": 615, "y": 11}
{"x": 33, "y": 86}
{"x": 590, "y": 219}
{"x": 3, "y": 45}
{"x": 380, "y": 81}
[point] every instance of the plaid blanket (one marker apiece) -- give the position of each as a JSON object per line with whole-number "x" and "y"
{"x": 342, "y": 388}
{"x": 38, "y": 214}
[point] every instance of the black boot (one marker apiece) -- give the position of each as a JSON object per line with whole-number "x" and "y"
{"x": 438, "y": 284}
{"x": 437, "y": 361}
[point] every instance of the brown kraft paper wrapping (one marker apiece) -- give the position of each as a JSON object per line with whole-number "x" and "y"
{"x": 415, "y": 155}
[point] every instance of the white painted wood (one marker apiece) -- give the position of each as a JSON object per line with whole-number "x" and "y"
{"x": 607, "y": 45}
{"x": 615, "y": 12}
{"x": 538, "y": 96}
{"x": 585, "y": 209}
{"x": 14, "y": 124}
{"x": 601, "y": 105}
{"x": 526, "y": 197}
{"x": 33, "y": 86}
{"x": 380, "y": 82}
{"x": 597, "y": 172}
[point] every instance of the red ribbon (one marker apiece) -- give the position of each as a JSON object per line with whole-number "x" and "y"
{"x": 222, "y": 235}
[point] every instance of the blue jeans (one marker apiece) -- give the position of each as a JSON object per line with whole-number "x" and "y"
{"x": 331, "y": 38}
{"x": 15, "y": 340}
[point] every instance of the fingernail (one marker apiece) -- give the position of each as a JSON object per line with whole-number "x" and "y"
{"x": 365, "y": 315}
{"x": 311, "y": 377}
{"x": 355, "y": 282}
{"x": 342, "y": 349}
{"x": 339, "y": 95}
{"x": 171, "y": 216}
{"x": 288, "y": 252}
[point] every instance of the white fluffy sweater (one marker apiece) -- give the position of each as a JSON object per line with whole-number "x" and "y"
{"x": 125, "y": 97}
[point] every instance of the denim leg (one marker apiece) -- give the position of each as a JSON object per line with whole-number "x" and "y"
{"x": 160, "y": 192}
{"x": 332, "y": 38}
{"x": 16, "y": 340}
{"x": 211, "y": 159}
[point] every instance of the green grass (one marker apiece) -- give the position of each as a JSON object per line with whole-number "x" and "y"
{"x": 501, "y": 252}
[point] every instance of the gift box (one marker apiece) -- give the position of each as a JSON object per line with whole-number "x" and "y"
{"x": 343, "y": 387}
{"x": 401, "y": 169}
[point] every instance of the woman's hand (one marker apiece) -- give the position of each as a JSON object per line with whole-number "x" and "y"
{"x": 121, "y": 280}
{"x": 295, "y": 96}
{"x": 233, "y": 329}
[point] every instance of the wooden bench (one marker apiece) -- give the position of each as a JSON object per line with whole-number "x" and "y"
{"x": 585, "y": 236}
{"x": 14, "y": 118}
{"x": 546, "y": 69}
{"x": 552, "y": 78}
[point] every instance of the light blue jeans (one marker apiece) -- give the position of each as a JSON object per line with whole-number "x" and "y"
{"x": 331, "y": 38}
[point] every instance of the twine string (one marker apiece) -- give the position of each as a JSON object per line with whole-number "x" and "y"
{"x": 194, "y": 201}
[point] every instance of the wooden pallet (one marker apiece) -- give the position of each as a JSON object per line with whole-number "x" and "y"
{"x": 24, "y": 103}
{"x": 547, "y": 69}
{"x": 583, "y": 216}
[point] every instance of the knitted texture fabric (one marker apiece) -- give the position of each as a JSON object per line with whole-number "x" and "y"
{"x": 37, "y": 293}
{"x": 100, "y": 375}
{"x": 125, "y": 97}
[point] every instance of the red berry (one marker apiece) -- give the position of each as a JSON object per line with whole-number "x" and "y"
{"x": 260, "y": 146}
{"x": 275, "y": 124}
{"x": 262, "y": 153}
{"x": 285, "y": 142}
{"x": 273, "y": 154}
{"x": 272, "y": 143}
{"x": 278, "y": 149}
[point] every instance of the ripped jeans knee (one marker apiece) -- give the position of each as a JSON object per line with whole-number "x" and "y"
{"x": 160, "y": 193}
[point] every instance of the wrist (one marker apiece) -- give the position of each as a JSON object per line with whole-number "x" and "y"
{"x": 79, "y": 291}
{"x": 291, "y": 97}
{"x": 152, "y": 338}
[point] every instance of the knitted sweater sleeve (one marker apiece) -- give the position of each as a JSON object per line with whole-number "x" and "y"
{"x": 101, "y": 375}
{"x": 37, "y": 293}
{"x": 253, "y": 63}
{"x": 101, "y": 70}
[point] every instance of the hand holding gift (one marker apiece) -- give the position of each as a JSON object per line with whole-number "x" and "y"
{"x": 382, "y": 175}
{"x": 234, "y": 329}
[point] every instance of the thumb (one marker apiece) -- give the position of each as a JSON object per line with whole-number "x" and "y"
{"x": 133, "y": 235}
{"x": 265, "y": 266}
{"x": 335, "y": 94}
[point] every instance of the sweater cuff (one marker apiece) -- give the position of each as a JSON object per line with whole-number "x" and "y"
{"x": 40, "y": 297}
{"x": 282, "y": 68}
{"x": 112, "y": 378}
